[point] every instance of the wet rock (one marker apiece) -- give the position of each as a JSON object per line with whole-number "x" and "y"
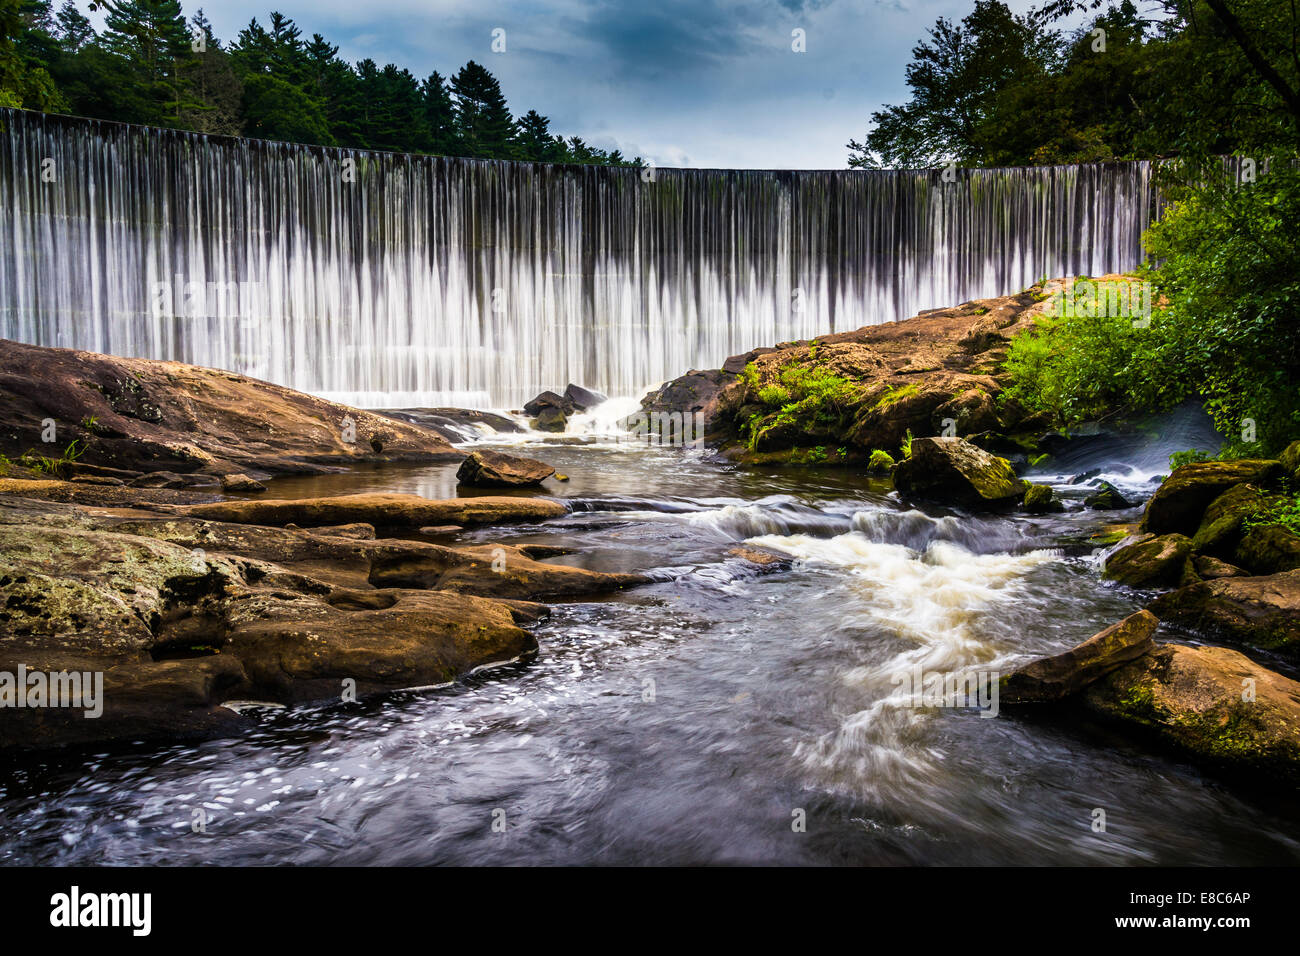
{"x": 183, "y": 614}
{"x": 1268, "y": 549}
{"x": 955, "y": 471}
{"x": 434, "y": 530}
{"x": 1180, "y": 503}
{"x": 1209, "y": 567}
{"x": 141, "y": 700}
{"x": 380, "y": 510}
{"x": 583, "y": 399}
{"x": 457, "y": 424}
{"x": 713, "y": 395}
{"x": 546, "y": 400}
{"x": 1261, "y": 612}
{"x": 490, "y": 469}
{"x": 550, "y": 420}
{"x": 1221, "y": 525}
{"x": 98, "y": 480}
{"x": 162, "y": 479}
{"x": 1107, "y": 498}
{"x": 240, "y": 483}
{"x": 1085, "y": 476}
{"x": 1210, "y": 703}
{"x": 764, "y": 559}
{"x": 1150, "y": 561}
{"x": 1040, "y": 499}
{"x": 385, "y": 639}
{"x": 1052, "y": 678}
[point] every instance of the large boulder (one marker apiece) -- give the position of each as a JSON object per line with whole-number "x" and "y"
{"x": 1150, "y": 561}
{"x": 1052, "y": 678}
{"x": 955, "y": 471}
{"x": 1221, "y": 525}
{"x": 713, "y": 395}
{"x": 1261, "y": 612}
{"x": 1211, "y": 703}
{"x": 490, "y": 469}
{"x": 551, "y": 419}
{"x": 1180, "y": 502}
{"x": 583, "y": 399}
{"x": 141, "y": 415}
{"x": 548, "y": 400}
{"x": 1268, "y": 549}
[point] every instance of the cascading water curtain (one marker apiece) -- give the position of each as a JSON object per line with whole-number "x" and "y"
{"x": 384, "y": 279}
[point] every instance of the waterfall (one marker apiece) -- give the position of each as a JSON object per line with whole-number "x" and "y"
{"x": 386, "y": 279}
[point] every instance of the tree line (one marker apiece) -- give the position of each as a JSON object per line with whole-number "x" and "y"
{"x": 1001, "y": 89}
{"x": 151, "y": 65}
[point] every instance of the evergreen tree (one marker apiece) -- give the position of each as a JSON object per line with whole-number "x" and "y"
{"x": 483, "y": 120}
{"x": 151, "y": 40}
{"x": 216, "y": 93}
{"x": 440, "y": 116}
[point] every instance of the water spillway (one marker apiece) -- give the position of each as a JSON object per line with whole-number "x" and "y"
{"x": 386, "y": 279}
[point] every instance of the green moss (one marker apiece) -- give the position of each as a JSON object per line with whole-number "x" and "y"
{"x": 880, "y": 461}
{"x": 1140, "y": 705}
{"x": 894, "y": 395}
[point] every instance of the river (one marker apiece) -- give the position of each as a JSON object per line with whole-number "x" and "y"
{"x": 725, "y": 714}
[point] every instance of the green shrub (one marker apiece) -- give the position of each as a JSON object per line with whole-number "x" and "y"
{"x": 880, "y": 461}
{"x": 1180, "y": 458}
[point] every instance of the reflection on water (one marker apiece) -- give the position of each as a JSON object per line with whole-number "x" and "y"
{"x": 692, "y": 720}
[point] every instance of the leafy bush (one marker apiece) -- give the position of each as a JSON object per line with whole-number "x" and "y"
{"x": 1180, "y": 458}
{"x": 1228, "y": 304}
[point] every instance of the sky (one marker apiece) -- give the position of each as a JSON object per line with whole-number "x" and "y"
{"x": 703, "y": 83}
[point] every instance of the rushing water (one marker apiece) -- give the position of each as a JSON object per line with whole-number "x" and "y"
{"x": 384, "y": 279}
{"x": 693, "y": 719}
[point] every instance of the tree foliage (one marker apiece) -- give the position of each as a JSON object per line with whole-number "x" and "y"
{"x": 151, "y": 65}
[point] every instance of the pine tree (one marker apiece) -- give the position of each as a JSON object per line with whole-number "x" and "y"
{"x": 151, "y": 39}
{"x": 215, "y": 90}
{"x": 440, "y": 116}
{"x": 483, "y": 119}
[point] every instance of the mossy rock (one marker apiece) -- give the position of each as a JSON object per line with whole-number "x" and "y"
{"x": 1210, "y": 703}
{"x": 880, "y": 462}
{"x": 1221, "y": 526}
{"x": 1269, "y": 549}
{"x": 1151, "y": 562}
{"x": 953, "y": 470}
{"x": 1040, "y": 499}
{"x": 1180, "y": 503}
{"x": 1257, "y": 611}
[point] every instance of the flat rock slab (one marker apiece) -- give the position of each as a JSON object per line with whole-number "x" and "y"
{"x": 1053, "y": 678}
{"x": 380, "y": 510}
{"x": 181, "y": 614}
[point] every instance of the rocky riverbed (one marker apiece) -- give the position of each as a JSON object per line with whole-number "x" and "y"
{"x": 401, "y": 563}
